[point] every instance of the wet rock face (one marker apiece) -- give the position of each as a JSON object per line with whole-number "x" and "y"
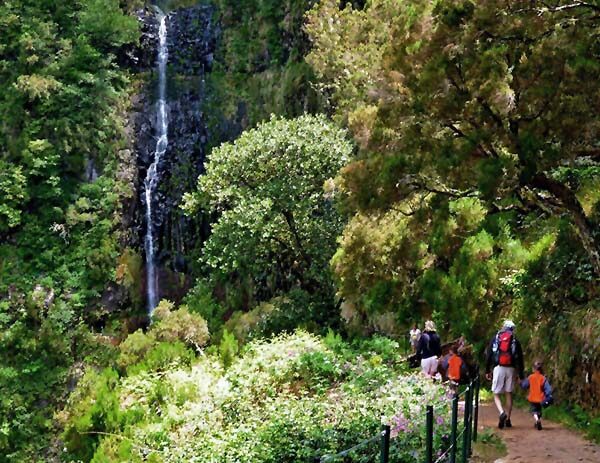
{"x": 191, "y": 39}
{"x": 142, "y": 57}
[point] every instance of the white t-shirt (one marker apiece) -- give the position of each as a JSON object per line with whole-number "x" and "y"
{"x": 415, "y": 334}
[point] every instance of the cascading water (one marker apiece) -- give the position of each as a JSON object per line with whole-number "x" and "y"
{"x": 152, "y": 175}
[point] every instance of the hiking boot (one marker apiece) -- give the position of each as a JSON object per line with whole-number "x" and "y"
{"x": 502, "y": 420}
{"x": 538, "y": 425}
{"x": 508, "y": 424}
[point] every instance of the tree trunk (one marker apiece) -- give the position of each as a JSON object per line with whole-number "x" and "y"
{"x": 289, "y": 218}
{"x": 571, "y": 204}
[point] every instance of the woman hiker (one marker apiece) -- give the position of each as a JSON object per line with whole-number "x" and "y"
{"x": 429, "y": 349}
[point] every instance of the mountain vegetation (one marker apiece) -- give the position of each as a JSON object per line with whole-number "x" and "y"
{"x": 475, "y": 192}
{"x": 286, "y": 399}
{"x": 276, "y": 230}
{"x": 384, "y": 162}
{"x": 63, "y": 101}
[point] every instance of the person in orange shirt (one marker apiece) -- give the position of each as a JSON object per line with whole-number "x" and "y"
{"x": 455, "y": 363}
{"x": 540, "y": 392}
{"x": 455, "y": 367}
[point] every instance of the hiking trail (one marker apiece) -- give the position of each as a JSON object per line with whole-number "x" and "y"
{"x": 524, "y": 444}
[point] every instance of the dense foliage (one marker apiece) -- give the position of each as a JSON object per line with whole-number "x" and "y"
{"x": 287, "y": 400}
{"x": 458, "y": 179}
{"x": 276, "y": 230}
{"x": 61, "y": 143}
{"x": 260, "y": 68}
{"x": 475, "y": 194}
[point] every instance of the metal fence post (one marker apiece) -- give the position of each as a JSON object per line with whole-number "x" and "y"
{"x": 469, "y": 429}
{"x": 385, "y": 444}
{"x": 429, "y": 435}
{"x": 453, "y": 443}
{"x": 465, "y": 452}
{"x": 476, "y": 411}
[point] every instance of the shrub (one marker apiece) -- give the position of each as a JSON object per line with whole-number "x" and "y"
{"x": 288, "y": 399}
{"x": 133, "y": 349}
{"x": 295, "y": 309}
{"x": 199, "y": 300}
{"x": 179, "y": 325}
{"x": 162, "y": 356}
{"x": 96, "y": 410}
{"x": 228, "y": 348}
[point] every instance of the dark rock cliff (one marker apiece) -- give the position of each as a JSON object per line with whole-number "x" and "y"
{"x": 192, "y": 39}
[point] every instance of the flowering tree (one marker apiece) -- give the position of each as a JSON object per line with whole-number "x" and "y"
{"x": 275, "y": 226}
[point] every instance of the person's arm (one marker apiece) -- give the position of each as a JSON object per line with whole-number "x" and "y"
{"x": 525, "y": 383}
{"x": 438, "y": 346}
{"x": 420, "y": 347}
{"x": 548, "y": 399}
{"x": 445, "y": 363}
{"x": 464, "y": 369}
{"x": 489, "y": 358}
{"x": 520, "y": 364}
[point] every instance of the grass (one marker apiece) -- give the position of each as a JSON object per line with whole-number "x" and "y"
{"x": 488, "y": 448}
{"x": 577, "y": 419}
{"x": 485, "y": 395}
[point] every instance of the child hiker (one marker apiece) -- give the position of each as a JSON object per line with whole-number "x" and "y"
{"x": 454, "y": 366}
{"x": 540, "y": 393}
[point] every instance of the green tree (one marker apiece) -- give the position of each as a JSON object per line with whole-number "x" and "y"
{"x": 275, "y": 227}
{"x": 489, "y": 101}
{"x": 474, "y": 192}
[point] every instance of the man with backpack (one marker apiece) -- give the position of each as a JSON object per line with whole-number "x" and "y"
{"x": 505, "y": 356}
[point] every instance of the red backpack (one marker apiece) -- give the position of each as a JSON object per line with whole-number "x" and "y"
{"x": 504, "y": 341}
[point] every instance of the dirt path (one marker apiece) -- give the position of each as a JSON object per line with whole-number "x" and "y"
{"x": 553, "y": 444}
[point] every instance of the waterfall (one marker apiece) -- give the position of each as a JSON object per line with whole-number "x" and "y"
{"x": 152, "y": 176}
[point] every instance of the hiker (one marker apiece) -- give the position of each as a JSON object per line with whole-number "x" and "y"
{"x": 540, "y": 393}
{"x": 454, "y": 366}
{"x": 429, "y": 349}
{"x": 506, "y": 357}
{"x": 414, "y": 335}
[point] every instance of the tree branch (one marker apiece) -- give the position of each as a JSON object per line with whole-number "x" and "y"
{"x": 480, "y": 149}
{"x": 569, "y": 202}
{"x": 289, "y": 218}
{"x": 418, "y": 183}
{"x": 570, "y": 6}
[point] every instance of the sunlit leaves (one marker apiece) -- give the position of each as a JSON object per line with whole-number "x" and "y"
{"x": 275, "y": 223}
{"x": 458, "y": 105}
{"x": 13, "y": 193}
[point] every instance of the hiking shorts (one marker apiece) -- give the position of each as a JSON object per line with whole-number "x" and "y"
{"x": 536, "y": 408}
{"x": 429, "y": 366}
{"x": 504, "y": 379}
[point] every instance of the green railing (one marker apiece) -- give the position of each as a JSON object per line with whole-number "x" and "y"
{"x": 383, "y": 437}
{"x": 466, "y": 435}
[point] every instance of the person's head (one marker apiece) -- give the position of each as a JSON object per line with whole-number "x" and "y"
{"x": 429, "y": 326}
{"x": 508, "y": 325}
{"x": 454, "y": 349}
{"x": 538, "y": 366}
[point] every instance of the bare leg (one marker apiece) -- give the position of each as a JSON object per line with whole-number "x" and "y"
{"x": 498, "y": 402}
{"x": 509, "y": 401}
